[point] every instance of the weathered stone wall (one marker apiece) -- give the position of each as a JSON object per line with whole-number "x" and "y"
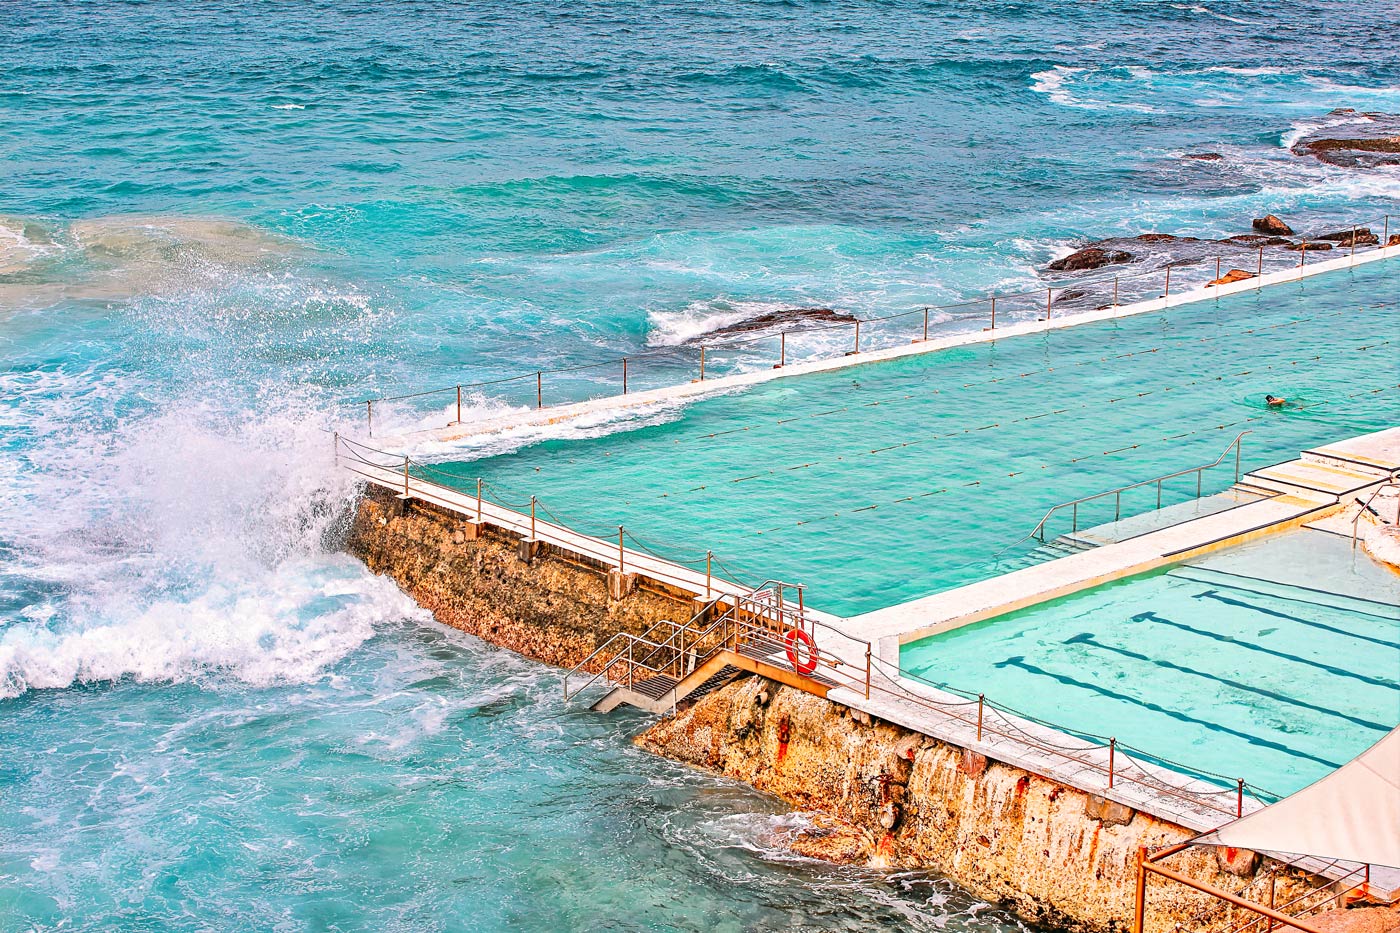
{"x": 892, "y": 797}
{"x": 552, "y": 609}
{"x": 1052, "y": 854}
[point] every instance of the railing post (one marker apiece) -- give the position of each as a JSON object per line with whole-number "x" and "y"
{"x": 369, "y": 416}
{"x": 405, "y": 476}
{"x": 459, "y": 404}
{"x": 994, "y": 319}
{"x": 994, "y": 312}
{"x": 335, "y": 447}
{"x": 1353, "y": 244}
{"x": 857, "y": 336}
{"x": 702, "y": 364}
{"x": 1140, "y": 895}
{"x": 980, "y": 702}
{"x": 1239, "y": 800}
{"x": 1167, "y": 291}
{"x": 782, "y": 349}
{"x": 1115, "y": 291}
{"x": 1198, "y": 483}
{"x": 1385, "y": 235}
{"x": 624, "y": 375}
{"x": 1217, "y": 271}
{"x": 1159, "y": 494}
{"x": 478, "y": 504}
{"x": 1117, "y": 505}
{"x": 867, "y": 670}
{"x": 539, "y": 389}
{"x": 620, "y": 551}
{"x": 1112, "y": 751}
{"x": 1049, "y": 293}
{"x": 532, "y": 518}
{"x": 1261, "y": 267}
{"x": 1074, "y": 520}
{"x": 1239, "y": 442}
{"x": 1303, "y": 254}
{"x": 709, "y": 555}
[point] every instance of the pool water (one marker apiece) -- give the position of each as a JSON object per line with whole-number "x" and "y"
{"x": 885, "y": 482}
{"x": 1215, "y": 664}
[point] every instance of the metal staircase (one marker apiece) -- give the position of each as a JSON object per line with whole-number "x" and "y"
{"x": 761, "y": 631}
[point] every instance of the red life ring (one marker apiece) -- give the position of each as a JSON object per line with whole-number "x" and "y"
{"x": 793, "y": 638}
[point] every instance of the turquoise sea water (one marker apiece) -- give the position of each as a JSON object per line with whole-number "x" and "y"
{"x": 1215, "y": 663}
{"x": 221, "y": 222}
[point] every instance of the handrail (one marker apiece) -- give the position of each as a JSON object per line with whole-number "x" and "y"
{"x": 1393, "y": 482}
{"x": 1039, "y": 530}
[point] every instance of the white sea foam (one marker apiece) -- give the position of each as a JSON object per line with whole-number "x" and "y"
{"x": 674, "y": 328}
{"x": 1051, "y": 83}
{"x": 288, "y": 106}
{"x": 182, "y": 544}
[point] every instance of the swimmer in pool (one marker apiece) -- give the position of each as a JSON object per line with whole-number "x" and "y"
{"x": 1273, "y": 401}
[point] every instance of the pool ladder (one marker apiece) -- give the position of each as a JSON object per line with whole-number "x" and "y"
{"x": 1392, "y": 483}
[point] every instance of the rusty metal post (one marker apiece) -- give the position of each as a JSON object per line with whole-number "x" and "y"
{"x": 539, "y": 390}
{"x": 1261, "y": 265}
{"x": 782, "y": 349}
{"x": 857, "y": 336}
{"x": 478, "y": 504}
{"x": 709, "y": 555}
{"x": 620, "y": 551}
{"x": 1112, "y": 752}
{"x": 1167, "y": 291}
{"x": 702, "y": 364}
{"x": 1049, "y": 293}
{"x": 1217, "y": 271}
{"x": 459, "y": 404}
{"x": 1303, "y": 254}
{"x": 369, "y": 413}
{"x": 624, "y": 375}
{"x": 532, "y": 518}
{"x": 994, "y": 312}
{"x": 1239, "y": 800}
{"x": 980, "y": 703}
{"x": 1140, "y": 895}
{"x": 405, "y": 476}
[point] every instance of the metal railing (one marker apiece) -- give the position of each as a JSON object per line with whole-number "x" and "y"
{"x": 759, "y": 623}
{"x": 1392, "y": 483}
{"x": 990, "y": 313}
{"x": 1038, "y": 532}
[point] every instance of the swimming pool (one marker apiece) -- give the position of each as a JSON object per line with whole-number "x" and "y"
{"x": 1227, "y": 663}
{"x": 885, "y": 482}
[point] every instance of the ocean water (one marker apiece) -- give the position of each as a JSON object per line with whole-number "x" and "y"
{"x": 222, "y": 224}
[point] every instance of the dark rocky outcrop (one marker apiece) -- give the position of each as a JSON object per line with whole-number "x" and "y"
{"x": 778, "y": 320}
{"x": 1255, "y": 239}
{"x": 1272, "y": 225}
{"x": 1310, "y": 247}
{"x": 1394, "y": 240}
{"x": 1376, "y": 141}
{"x": 1361, "y": 236}
{"x": 1091, "y": 257}
{"x": 1204, "y": 156}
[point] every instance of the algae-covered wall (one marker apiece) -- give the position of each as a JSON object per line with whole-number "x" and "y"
{"x": 552, "y": 609}
{"x": 1052, "y": 854}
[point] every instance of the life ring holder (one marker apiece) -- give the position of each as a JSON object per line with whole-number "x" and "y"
{"x": 791, "y": 641}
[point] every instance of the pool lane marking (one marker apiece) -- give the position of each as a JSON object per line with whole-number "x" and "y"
{"x": 1021, "y": 662}
{"x": 1232, "y": 640}
{"x": 1087, "y": 638}
{"x": 1230, "y": 601}
{"x": 1185, "y": 573}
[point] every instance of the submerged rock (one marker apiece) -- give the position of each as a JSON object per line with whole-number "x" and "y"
{"x": 777, "y": 320}
{"x": 1272, "y": 225}
{"x": 1310, "y": 247}
{"x": 1255, "y": 239}
{"x": 1204, "y": 156}
{"x": 1091, "y": 257}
